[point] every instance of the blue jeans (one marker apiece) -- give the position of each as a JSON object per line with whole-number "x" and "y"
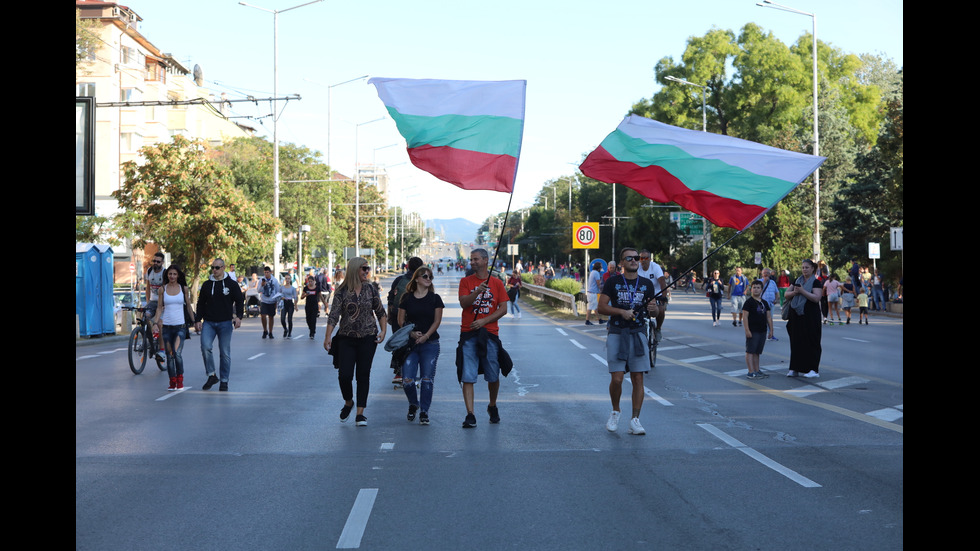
{"x": 221, "y": 329}
{"x": 421, "y": 360}
{"x": 471, "y": 362}
{"x": 879, "y": 298}
{"x": 715, "y": 308}
{"x": 514, "y": 308}
{"x": 173, "y": 336}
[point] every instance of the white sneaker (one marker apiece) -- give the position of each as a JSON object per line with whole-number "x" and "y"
{"x": 613, "y": 423}
{"x": 636, "y": 427}
{"x": 811, "y": 375}
{"x": 791, "y": 373}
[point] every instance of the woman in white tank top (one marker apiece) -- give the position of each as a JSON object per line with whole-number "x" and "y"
{"x": 173, "y": 301}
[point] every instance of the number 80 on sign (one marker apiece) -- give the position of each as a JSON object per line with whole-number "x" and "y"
{"x": 585, "y": 235}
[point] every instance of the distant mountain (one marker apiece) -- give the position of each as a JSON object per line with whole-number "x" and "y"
{"x": 455, "y": 230}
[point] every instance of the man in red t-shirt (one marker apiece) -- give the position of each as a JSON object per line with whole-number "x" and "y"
{"x": 484, "y": 301}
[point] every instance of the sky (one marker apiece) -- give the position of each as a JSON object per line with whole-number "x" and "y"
{"x": 586, "y": 63}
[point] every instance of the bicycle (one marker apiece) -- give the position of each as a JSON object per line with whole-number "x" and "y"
{"x": 141, "y": 343}
{"x": 652, "y": 340}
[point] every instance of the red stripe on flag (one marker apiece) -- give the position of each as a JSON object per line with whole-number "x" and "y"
{"x": 656, "y": 183}
{"x": 466, "y": 169}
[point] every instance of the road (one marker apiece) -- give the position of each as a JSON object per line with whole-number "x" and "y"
{"x": 727, "y": 463}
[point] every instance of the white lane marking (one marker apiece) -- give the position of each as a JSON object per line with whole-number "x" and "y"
{"x": 805, "y": 390}
{"x": 855, "y": 340}
{"x": 350, "y": 538}
{"x": 785, "y": 471}
{"x": 576, "y": 343}
{"x": 90, "y": 356}
{"x": 703, "y": 359}
{"x": 257, "y": 355}
{"x": 662, "y": 348}
{"x": 888, "y": 414}
{"x": 171, "y": 394}
{"x": 562, "y": 331}
{"x": 839, "y": 383}
{"x": 601, "y": 359}
{"x": 385, "y": 446}
{"x": 653, "y": 396}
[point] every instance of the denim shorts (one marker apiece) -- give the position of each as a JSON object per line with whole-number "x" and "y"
{"x": 471, "y": 363}
{"x": 755, "y": 343}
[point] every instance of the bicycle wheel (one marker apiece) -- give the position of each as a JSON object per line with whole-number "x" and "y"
{"x": 137, "y": 350}
{"x": 156, "y": 352}
{"x": 652, "y": 341}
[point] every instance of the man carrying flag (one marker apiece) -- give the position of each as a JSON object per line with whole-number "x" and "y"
{"x": 467, "y": 133}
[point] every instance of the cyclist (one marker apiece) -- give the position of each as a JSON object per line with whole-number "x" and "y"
{"x": 154, "y": 280}
{"x": 652, "y": 271}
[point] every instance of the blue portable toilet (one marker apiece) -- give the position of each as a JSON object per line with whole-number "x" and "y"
{"x": 93, "y": 289}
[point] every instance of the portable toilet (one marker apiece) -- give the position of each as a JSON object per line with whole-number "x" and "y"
{"x": 93, "y": 289}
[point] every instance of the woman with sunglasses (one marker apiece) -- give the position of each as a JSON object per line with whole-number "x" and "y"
{"x": 358, "y": 310}
{"x": 423, "y": 307}
{"x": 173, "y": 302}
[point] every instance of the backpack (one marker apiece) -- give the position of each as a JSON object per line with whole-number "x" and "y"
{"x": 396, "y": 293}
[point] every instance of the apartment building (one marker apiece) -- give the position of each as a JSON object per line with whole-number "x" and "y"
{"x": 126, "y": 68}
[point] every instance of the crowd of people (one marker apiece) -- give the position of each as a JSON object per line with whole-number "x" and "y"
{"x": 631, "y": 290}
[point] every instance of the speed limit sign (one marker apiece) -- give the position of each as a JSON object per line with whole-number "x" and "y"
{"x": 585, "y": 235}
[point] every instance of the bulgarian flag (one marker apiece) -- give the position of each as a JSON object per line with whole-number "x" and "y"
{"x": 729, "y": 181}
{"x": 465, "y": 132}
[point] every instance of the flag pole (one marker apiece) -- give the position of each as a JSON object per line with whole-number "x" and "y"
{"x": 642, "y": 306}
{"x": 499, "y": 239}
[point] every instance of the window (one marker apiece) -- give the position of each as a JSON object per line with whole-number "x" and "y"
{"x": 130, "y": 94}
{"x": 86, "y": 89}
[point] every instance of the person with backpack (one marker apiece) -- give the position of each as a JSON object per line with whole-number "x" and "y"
{"x": 398, "y": 289}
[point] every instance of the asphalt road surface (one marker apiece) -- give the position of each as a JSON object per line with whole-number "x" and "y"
{"x": 726, "y": 463}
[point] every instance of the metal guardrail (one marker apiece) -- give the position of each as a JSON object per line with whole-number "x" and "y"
{"x": 539, "y": 291}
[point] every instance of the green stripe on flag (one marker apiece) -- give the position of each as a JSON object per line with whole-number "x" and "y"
{"x": 709, "y": 175}
{"x": 485, "y": 134}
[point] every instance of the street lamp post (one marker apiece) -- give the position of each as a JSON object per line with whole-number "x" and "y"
{"x": 277, "y": 251}
{"x": 704, "y": 128}
{"x": 816, "y": 132}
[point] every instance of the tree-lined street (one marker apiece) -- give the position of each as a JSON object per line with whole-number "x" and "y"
{"x": 727, "y": 463}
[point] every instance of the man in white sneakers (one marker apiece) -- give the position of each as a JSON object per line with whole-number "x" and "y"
{"x": 627, "y": 348}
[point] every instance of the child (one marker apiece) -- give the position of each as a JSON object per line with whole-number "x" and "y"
{"x": 863, "y": 305}
{"x": 758, "y": 317}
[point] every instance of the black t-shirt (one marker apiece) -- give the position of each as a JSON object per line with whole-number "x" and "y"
{"x": 422, "y": 311}
{"x": 756, "y": 310}
{"x": 312, "y": 297}
{"x": 626, "y": 294}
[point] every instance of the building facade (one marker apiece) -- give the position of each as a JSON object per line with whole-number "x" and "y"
{"x": 149, "y": 90}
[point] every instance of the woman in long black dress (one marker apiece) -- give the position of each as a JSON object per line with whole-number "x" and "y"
{"x": 803, "y": 324}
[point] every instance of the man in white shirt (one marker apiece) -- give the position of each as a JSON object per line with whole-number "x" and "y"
{"x": 652, "y": 271}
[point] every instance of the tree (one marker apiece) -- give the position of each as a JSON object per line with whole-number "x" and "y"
{"x": 86, "y": 37}
{"x": 182, "y": 200}
{"x": 307, "y": 195}
{"x": 95, "y": 229}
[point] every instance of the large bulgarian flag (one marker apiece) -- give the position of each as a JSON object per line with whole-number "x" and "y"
{"x": 729, "y": 181}
{"x": 465, "y": 132}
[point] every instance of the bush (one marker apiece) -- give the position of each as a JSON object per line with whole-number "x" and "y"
{"x": 565, "y": 285}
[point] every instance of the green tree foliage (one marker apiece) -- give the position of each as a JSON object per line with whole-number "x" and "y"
{"x": 182, "y": 200}
{"x": 95, "y": 229}
{"x": 762, "y": 90}
{"x": 873, "y": 202}
{"x": 307, "y": 195}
